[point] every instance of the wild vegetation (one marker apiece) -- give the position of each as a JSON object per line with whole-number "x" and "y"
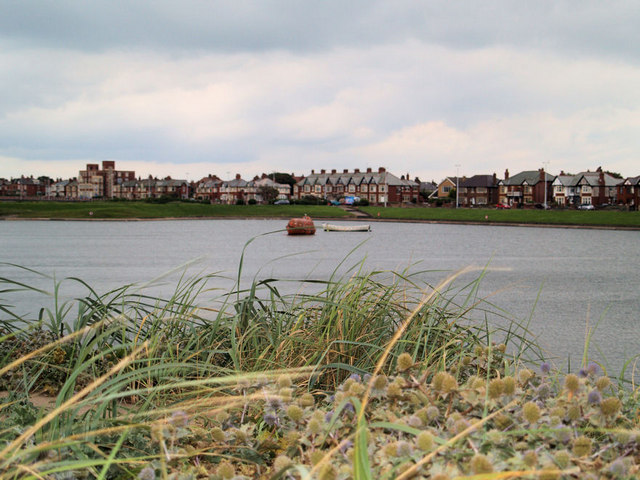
{"x": 370, "y": 375}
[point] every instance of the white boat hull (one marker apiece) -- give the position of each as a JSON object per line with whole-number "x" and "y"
{"x": 327, "y": 227}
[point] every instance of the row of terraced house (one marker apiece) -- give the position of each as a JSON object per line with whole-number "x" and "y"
{"x": 537, "y": 187}
{"x": 379, "y": 187}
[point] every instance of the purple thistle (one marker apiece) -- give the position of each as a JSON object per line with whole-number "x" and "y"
{"x": 582, "y": 373}
{"x": 147, "y": 473}
{"x": 593, "y": 369}
{"x": 594, "y": 397}
{"x": 545, "y": 367}
{"x": 270, "y": 419}
{"x": 356, "y": 377}
{"x": 328, "y": 417}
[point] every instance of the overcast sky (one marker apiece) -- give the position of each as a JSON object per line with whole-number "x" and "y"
{"x": 191, "y": 87}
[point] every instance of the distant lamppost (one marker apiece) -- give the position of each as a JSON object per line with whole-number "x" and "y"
{"x": 457, "y": 182}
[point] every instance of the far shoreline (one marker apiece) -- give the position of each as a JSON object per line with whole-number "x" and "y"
{"x": 10, "y": 218}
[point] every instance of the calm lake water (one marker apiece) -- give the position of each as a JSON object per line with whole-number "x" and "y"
{"x": 578, "y": 277}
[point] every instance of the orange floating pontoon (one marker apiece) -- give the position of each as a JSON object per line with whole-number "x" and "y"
{"x": 301, "y": 226}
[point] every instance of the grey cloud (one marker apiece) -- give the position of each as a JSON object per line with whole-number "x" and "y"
{"x": 576, "y": 26}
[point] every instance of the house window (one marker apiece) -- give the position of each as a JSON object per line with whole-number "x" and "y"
{"x": 318, "y": 188}
{"x": 383, "y": 188}
{"x": 586, "y": 189}
{"x": 363, "y": 188}
{"x": 446, "y": 189}
{"x": 307, "y": 188}
{"x": 373, "y": 188}
{"x": 372, "y": 198}
{"x": 328, "y": 188}
{"x": 527, "y": 189}
{"x": 503, "y": 189}
{"x": 352, "y": 188}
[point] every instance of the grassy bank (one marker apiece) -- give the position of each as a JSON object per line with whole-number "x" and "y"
{"x": 373, "y": 376}
{"x": 609, "y": 218}
{"x": 124, "y": 210}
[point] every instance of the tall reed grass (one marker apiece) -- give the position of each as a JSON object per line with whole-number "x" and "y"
{"x": 143, "y": 386}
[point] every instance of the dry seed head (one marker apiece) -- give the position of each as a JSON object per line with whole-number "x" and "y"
{"x": 433, "y": 412}
{"x": 582, "y": 446}
{"x": 524, "y": 375}
{"x": 424, "y": 441}
{"x": 530, "y": 458}
{"x": 225, "y": 470}
{"x": 380, "y": 382}
{"x": 281, "y": 462}
{"x": 217, "y": 434}
{"x": 316, "y": 457}
{"x": 390, "y": 449}
{"x": 509, "y": 385}
{"x": 496, "y": 388}
{"x": 286, "y": 394}
{"x": 572, "y": 383}
{"x": 356, "y": 389}
{"x": 284, "y": 381}
{"x": 466, "y": 361}
{"x": 562, "y": 458}
{"x": 574, "y": 412}
{"x": 295, "y": 413}
{"x": 306, "y": 400}
{"x": 502, "y": 421}
{"x": 403, "y": 448}
{"x": 610, "y": 406}
{"x": 314, "y": 426}
{"x": 327, "y": 472}
{"x": 394, "y": 390}
{"x": 480, "y": 464}
{"x": 602, "y": 383}
{"x": 405, "y": 362}
{"x": 531, "y": 412}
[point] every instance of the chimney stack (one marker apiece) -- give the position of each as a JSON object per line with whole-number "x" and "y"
{"x": 346, "y": 170}
{"x": 333, "y": 170}
{"x": 381, "y": 170}
{"x": 356, "y": 170}
{"x": 506, "y": 174}
{"x": 323, "y": 171}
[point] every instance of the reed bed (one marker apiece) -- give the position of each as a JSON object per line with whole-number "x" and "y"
{"x": 373, "y": 375}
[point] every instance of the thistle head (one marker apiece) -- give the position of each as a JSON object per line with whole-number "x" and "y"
{"x": 480, "y": 464}
{"x": 572, "y": 383}
{"x": 531, "y": 412}
{"x": 225, "y": 470}
{"x": 404, "y": 363}
{"x": 424, "y": 441}
{"x": 295, "y": 413}
{"x": 582, "y": 446}
{"x": 496, "y": 388}
{"x": 594, "y": 397}
{"x": 610, "y": 406}
{"x": 545, "y": 368}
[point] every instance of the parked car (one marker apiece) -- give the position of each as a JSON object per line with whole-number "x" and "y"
{"x": 503, "y": 206}
{"x": 281, "y": 202}
{"x": 586, "y": 206}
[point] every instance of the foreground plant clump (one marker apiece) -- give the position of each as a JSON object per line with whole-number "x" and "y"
{"x": 365, "y": 379}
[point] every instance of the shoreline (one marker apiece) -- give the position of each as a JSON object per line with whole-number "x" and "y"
{"x": 334, "y": 219}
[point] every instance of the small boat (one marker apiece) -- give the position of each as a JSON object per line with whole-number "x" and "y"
{"x": 346, "y": 228}
{"x": 301, "y": 226}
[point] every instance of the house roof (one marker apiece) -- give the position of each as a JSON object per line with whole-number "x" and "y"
{"x": 488, "y": 181}
{"x": 356, "y": 178}
{"x": 530, "y": 177}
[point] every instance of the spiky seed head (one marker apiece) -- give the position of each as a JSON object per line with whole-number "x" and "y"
{"x": 405, "y": 362}
{"x": 327, "y": 472}
{"x": 318, "y": 416}
{"x": 509, "y": 385}
{"x": 415, "y": 421}
{"x": 380, "y": 382}
{"x": 531, "y": 412}
{"x": 557, "y": 412}
{"x": 444, "y": 382}
{"x": 563, "y": 435}
{"x": 281, "y": 462}
{"x": 602, "y": 383}
{"x": 610, "y": 406}
{"x": 466, "y": 361}
{"x": 549, "y": 472}
{"x": 294, "y": 412}
{"x": 502, "y": 421}
{"x": 530, "y": 458}
{"x": 316, "y": 457}
{"x": 225, "y": 470}
{"x": 480, "y": 464}
{"x": 284, "y": 381}
{"x": 618, "y": 468}
{"x": 572, "y": 383}
{"x": 403, "y": 448}
{"x": 424, "y": 441}
{"x": 501, "y": 348}
{"x": 286, "y": 394}
{"x": 496, "y": 388}
{"x": 460, "y": 426}
{"x": 432, "y": 412}
{"x": 562, "y": 458}
{"x": 394, "y": 390}
{"x": 217, "y": 434}
{"x": 582, "y": 446}
{"x": 524, "y": 376}
{"x": 574, "y": 412}
{"x": 356, "y": 389}
{"x": 306, "y": 400}
{"x": 314, "y": 426}
{"x": 147, "y": 473}
{"x": 390, "y": 449}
